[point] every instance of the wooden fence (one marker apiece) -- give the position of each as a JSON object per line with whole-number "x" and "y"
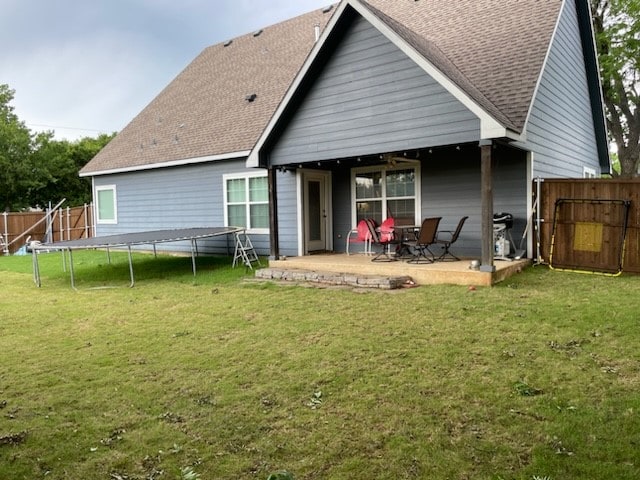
{"x": 51, "y": 226}
{"x": 589, "y": 223}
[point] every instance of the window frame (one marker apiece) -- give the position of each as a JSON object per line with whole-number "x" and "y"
{"x": 384, "y": 169}
{"x": 104, "y": 188}
{"x": 244, "y": 176}
{"x": 589, "y": 172}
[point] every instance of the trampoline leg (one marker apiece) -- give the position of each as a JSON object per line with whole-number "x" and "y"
{"x": 36, "y": 268}
{"x": 73, "y": 280}
{"x": 130, "y": 267}
{"x": 155, "y": 253}
{"x": 108, "y": 256}
{"x": 194, "y": 247}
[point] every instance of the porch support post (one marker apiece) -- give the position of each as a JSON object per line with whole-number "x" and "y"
{"x": 486, "y": 180}
{"x": 273, "y": 215}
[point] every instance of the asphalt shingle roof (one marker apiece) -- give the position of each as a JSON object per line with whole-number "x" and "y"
{"x": 493, "y": 49}
{"x": 203, "y": 111}
{"x": 499, "y": 46}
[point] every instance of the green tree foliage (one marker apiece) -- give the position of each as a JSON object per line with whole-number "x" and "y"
{"x": 16, "y": 171}
{"x": 36, "y": 169}
{"x": 58, "y": 163}
{"x": 617, "y": 30}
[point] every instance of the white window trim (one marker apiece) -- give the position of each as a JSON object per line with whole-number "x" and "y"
{"x": 110, "y": 221}
{"x": 415, "y": 164}
{"x": 245, "y": 176}
{"x": 588, "y": 172}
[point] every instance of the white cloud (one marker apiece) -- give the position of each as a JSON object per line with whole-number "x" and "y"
{"x": 95, "y": 65}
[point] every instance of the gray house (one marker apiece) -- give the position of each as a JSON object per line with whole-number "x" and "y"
{"x": 409, "y": 108}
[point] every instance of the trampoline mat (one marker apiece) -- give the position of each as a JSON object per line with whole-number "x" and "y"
{"x": 141, "y": 238}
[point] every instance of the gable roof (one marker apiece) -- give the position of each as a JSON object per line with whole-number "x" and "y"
{"x": 203, "y": 113}
{"x": 498, "y": 47}
{"x": 490, "y": 53}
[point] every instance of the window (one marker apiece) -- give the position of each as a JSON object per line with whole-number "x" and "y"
{"x": 246, "y": 198}
{"x": 382, "y": 193}
{"x": 588, "y": 172}
{"x": 106, "y": 205}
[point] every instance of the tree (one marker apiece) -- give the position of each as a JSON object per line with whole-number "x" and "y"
{"x": 617, "y": 30}
{"x": 59, "y": 162}
{"x": 16, "y": 170}
{"x": 36, "y": 169}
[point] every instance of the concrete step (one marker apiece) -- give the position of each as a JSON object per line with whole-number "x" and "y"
{"x": 339, "y": 279}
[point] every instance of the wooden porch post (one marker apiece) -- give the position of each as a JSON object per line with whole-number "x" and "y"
{"x": 486, "y": 180}
{"x": 273, "y": 215}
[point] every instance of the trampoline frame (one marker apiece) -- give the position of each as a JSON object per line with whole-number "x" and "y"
{"x": 128, "y": 240}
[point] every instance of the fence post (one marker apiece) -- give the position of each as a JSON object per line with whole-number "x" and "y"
{"x": 5, "y": 250}
{"x": 61, "y": 220}
{"x": 68, "y": 224}
{"x": 86, "y": 221}
{"x": 48, "y": 229}
{"x": 92, "y": 210}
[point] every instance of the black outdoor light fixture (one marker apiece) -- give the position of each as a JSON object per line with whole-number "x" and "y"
{"x": 251, "y": 97}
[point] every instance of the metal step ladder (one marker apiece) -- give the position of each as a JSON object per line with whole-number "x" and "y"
{"x": 244, "y": 251}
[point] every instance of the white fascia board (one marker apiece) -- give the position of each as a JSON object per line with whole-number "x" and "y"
{"x": 489, "y": 126}
{"x": 544, "y": 65}
{"x": 254, "y": 157}
{"x": 172, "y": 163}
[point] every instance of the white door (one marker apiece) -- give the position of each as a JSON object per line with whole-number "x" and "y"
{"x": 316, "y": 211}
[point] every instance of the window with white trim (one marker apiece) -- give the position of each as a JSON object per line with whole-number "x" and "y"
{"x": 106, "y": 204}
{"x": 588, "y": 172}
{"x": 246, "y": 201}
{"x": 386, "y": 192}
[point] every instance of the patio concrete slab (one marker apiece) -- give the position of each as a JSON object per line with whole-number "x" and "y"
{"x": 454, "y": 273}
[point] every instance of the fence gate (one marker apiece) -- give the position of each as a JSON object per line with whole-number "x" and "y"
{"x": 589, "y": 235}
{"x": 589, "y": 225}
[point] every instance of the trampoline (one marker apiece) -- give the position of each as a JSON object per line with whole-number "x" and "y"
{"x": 128, "y": 240}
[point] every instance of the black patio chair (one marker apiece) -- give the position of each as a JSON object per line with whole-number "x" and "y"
{"x": 446, "y": 238}
{"x": 424, "y": 239}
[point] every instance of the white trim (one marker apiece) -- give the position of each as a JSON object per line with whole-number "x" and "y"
{"x": 489, "y": 126}
{"x": 408, "y": 164}
{"x": 327, "y": 178}
{"x": 253, "y": 159}
{"x": 171, "y": 163}
{"x": 244, "y": 176}
{"x": 530, "y": 211}
{"x": 544, "y": 65}
{"x": 94, "y": 208}
{"x": 589, "y": 172}
{"x": 299, "y": 216}
{"x": 110, "y": 221}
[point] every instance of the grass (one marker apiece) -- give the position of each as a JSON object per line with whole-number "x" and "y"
{"x": 217, "y": 377}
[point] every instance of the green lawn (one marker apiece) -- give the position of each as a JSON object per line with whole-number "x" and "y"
{"x": 221, "y": 377}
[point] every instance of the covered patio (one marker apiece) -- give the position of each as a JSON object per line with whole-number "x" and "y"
{"x": 452, "y": 273}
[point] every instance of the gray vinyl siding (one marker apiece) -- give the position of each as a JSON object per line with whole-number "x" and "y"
{"x": 288, "y": 204}
{"x": 342, "y": 205}
{"x": 560, "y": 130}
{"x": 180, "y": 197}
{"x": 372, "y": 98}
{"x": 452, "y": 190}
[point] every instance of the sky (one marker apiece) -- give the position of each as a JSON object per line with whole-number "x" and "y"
{"x": 80, "y": 68}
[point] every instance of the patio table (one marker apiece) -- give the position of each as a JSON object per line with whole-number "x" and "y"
{"x": 403, "y": 234}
